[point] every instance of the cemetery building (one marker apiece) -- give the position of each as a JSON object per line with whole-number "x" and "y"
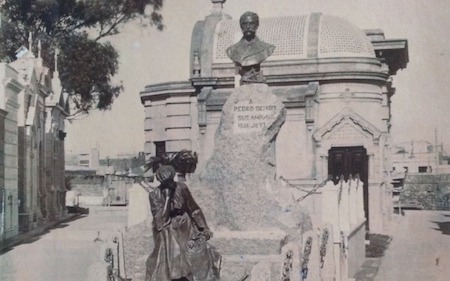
{"x": 102, "y": 181}
{"x": 9, "y": 192}
{"x": 423, "y": 172}
{"x": 334, "y": 79}
{"x": 31, "y": 134}
{"x": 57, "y": 110}
{"x": 33, "y": 147}
{"x": 420, "y": 157}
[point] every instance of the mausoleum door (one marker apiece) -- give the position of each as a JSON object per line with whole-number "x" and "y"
{"x": 346, "y": 161}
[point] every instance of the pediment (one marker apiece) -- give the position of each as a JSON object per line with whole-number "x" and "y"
{"x": 347, "y": 125}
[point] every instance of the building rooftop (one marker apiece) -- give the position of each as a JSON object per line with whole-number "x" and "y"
{"x": 299, "y": 37}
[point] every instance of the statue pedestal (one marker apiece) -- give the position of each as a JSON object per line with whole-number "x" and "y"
{"x": 253, "y": 216}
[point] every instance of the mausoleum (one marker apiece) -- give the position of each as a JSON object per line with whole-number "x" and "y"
{"x": 293, "y": 171}
{"x": 334, "y": 79}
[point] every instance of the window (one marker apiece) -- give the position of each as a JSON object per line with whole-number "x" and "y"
{"x": 423, "y": 169}
{"x": 160, "y": 148}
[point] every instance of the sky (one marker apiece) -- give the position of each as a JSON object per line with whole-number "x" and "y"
{"x": 147, "y": 56}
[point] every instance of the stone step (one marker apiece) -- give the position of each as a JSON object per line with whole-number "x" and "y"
{"x": 236, "y": 267}
{"x": 268, "y": 242}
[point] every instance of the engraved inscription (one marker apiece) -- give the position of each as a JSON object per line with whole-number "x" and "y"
{"x": 250, "y": 117}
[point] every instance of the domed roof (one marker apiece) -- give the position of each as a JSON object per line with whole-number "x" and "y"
{"x": 299, "y": 37}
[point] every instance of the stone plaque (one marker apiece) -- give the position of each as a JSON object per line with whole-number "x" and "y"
{"x": 252, "y": 117}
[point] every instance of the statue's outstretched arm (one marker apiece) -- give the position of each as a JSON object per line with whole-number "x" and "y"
{"x": 196, "y": 214}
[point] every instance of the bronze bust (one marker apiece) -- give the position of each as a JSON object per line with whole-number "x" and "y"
{"x": 250, "y": 51}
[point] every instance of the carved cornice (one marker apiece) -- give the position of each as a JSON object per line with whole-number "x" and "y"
{"x": 200, "y": 82}
{"x": 328, "y": 77}
{"x": 165, "y": 90}
{"x": 347, "y": 114}
{"x": 377, "y": 78}
{"x": 60, "y": 108}
{"x": 394, "y": 52}
{"x": 323, "y": 70}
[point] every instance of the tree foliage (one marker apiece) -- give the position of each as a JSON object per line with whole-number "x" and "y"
{"x": 77, "y": 28}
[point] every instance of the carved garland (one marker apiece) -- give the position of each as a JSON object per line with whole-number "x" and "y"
{"x": 287, "y": 267}
{"x": 306, "y": 253}
{"x": 323, "y": 247}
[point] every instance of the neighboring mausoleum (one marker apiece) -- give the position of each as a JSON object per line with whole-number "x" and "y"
{"x": 33, "y": 110}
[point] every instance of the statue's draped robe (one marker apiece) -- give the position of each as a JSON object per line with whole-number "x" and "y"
{"x": 171, "y": 258}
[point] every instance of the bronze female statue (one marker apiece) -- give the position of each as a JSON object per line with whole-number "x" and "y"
{"x": 180, "y": 233}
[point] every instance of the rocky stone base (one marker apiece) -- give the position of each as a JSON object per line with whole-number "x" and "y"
{"x": 241, "y": 170}
{"x": 249, "y": 242}
{"x": 251, "y": 267}
{"x": 244, "y": 253}
{"x": 138, "y": 244}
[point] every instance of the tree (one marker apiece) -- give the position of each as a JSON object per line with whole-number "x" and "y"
{"x": 77, "y": 28}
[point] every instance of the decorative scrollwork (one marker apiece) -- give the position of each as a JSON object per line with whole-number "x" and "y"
{"x": 109, "y": 258}
{"x": 305, "y": 260}
{"x": 287, "y": 267}
{"x": 323, "y": 247}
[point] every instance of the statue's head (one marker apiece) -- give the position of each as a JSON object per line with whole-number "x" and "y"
{"x": 249, "y": 22}
{"x": 165, "y": 174}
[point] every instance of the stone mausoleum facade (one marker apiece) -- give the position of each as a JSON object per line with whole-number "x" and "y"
{"x": 33, "y": 110}
{"x": 334, "y": 79}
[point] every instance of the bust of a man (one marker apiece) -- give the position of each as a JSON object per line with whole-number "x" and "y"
{"x": 250, "y": 52}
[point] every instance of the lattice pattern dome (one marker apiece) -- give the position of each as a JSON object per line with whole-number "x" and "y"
{"x": 336, "y": 38}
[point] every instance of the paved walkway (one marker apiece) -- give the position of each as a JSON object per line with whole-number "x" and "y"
{"x": 25, "y": 236}
{"x": 420, "y": 248}
{"x": 68, "y": 250}
{"x": 369, "y": 270}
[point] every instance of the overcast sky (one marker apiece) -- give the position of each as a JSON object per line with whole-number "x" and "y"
{"x": 147, "y": 56}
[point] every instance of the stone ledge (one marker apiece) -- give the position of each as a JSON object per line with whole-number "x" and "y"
{"x": 251, "y": 258}
{"x": 249, "y": 242}
{"x": 236, "y": 267}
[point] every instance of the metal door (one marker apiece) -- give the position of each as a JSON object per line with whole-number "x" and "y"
{"x": 346, "y": 161}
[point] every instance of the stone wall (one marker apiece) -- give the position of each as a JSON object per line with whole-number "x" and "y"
{"x": 87, "y": 185}
{"x": 2, "y": 170}
{"x": 8, "y": 102}
{"x": 431, "y": 191}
